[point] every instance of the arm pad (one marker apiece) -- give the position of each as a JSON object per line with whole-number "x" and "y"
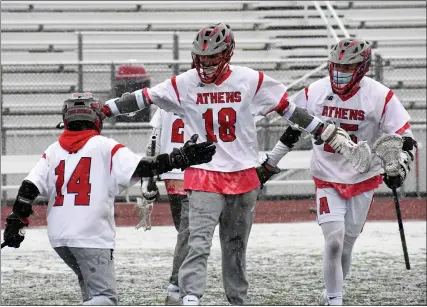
{"x": 26, "y": 195}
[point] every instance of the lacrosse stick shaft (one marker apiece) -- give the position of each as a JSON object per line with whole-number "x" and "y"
{"x": 152, "y": 153}
{"x": 3, "y": 244}
{"x": 401, "y": 230}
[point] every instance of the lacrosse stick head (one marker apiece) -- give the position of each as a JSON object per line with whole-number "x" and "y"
{"x": 388, "y": 148}
{"x": 145, "y": 209}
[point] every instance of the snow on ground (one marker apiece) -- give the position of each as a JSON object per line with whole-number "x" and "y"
{"x": 284, "y": 267}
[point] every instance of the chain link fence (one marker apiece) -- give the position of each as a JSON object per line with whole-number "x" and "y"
{"x": 32, "y": 96}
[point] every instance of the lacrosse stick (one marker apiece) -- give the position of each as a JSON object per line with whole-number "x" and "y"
{"x": 389, "y": 148}
{"x": 146, "y": 206}
{"x": 401, "y": 230}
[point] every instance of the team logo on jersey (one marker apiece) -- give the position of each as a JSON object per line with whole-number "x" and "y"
{"x": 218, "y": 97}
{"x": 343, "y": 113}
{"x": 331, "y": 97}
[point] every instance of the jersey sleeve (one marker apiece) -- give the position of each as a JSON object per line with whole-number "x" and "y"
{"x": 39, "y": 175}
{"x": 156, "y": 120}
{"x": 300, "y": 99}
{"x": 270, "y": 95}
{"x": 123, "y": 163}
{"x": 394, "y": 119}
{"x": 166, "y": 96}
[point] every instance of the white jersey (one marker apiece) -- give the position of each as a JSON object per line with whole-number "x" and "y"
{"x": 372, "y": 111}
{"x": 80, "y": 188}
{"x": 222, "y": 112}
{"x": 171, "y": 136}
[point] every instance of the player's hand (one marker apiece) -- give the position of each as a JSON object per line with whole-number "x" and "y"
{"x": 394, "y": 181}
{"x": 192, "y": 153}
{"x": 265, "y": 171}
{"x": 14, "y": 232}
{"x": 149, "y": 189}
{"x": 290, "y": 137}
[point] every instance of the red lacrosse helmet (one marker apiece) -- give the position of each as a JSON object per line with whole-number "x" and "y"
{"x": 349, "y": 62}
{"x": 212, "y": 51}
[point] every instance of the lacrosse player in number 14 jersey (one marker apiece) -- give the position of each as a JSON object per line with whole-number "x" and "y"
{"x": 367, "y": 110}
{"x": 80, "y": 174}
{"x": 219, "y": 101}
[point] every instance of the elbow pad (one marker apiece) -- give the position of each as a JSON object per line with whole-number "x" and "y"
{"x": 27, "y": 193}
{"x": 290, "y": 137}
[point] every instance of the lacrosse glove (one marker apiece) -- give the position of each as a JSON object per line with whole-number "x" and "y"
{"x": 394, "y": 182}
{"x": 192, "y": 153}
{"x": 14, "y": 232}
{"x": 265, "y": 172}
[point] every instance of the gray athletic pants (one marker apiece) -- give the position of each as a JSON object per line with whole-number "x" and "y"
{"x": 94, "y": 268}
{"x": 234, "y": 213}
{"x": 179, "y": 209}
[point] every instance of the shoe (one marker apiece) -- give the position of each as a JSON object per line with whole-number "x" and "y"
{"x": 190, "y": 300}
{"x": 172, "y": 298}
{"x": 323, "y": 300}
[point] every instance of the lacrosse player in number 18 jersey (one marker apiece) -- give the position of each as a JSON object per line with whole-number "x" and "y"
{"x": 367, "y": 110}
{"x": 80, "y": 174}
{"x": 218, "y": 101}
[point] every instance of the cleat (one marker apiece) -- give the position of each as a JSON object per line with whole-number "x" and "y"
{"x": 323, "y": 300}
{"x": 173, "y": 298}
{"x": 190, "y": 300}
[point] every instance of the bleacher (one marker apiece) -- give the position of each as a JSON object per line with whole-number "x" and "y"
{"x": 286, "y": 39}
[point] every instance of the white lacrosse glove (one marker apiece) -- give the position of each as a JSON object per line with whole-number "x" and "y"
{"x": 395, "y": 162}
{"x": 359, "y": 155}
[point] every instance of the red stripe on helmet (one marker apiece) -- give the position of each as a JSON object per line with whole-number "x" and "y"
{"x": 202, "y": 34}
{"x": 214, "y": 31}
{"x": 204, "y": 45}
{"x": 341, "y": 55}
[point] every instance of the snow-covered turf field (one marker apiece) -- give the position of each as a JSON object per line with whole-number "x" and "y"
{"x": 284, "y": 267}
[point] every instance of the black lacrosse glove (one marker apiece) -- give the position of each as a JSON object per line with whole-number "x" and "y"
{"x": 192, "y": 153}
{"x": 290, "y": 137}
{"x": 14, "y": 232}
{"x": 265, "y": 172}
{"x": 393, "y": 182}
